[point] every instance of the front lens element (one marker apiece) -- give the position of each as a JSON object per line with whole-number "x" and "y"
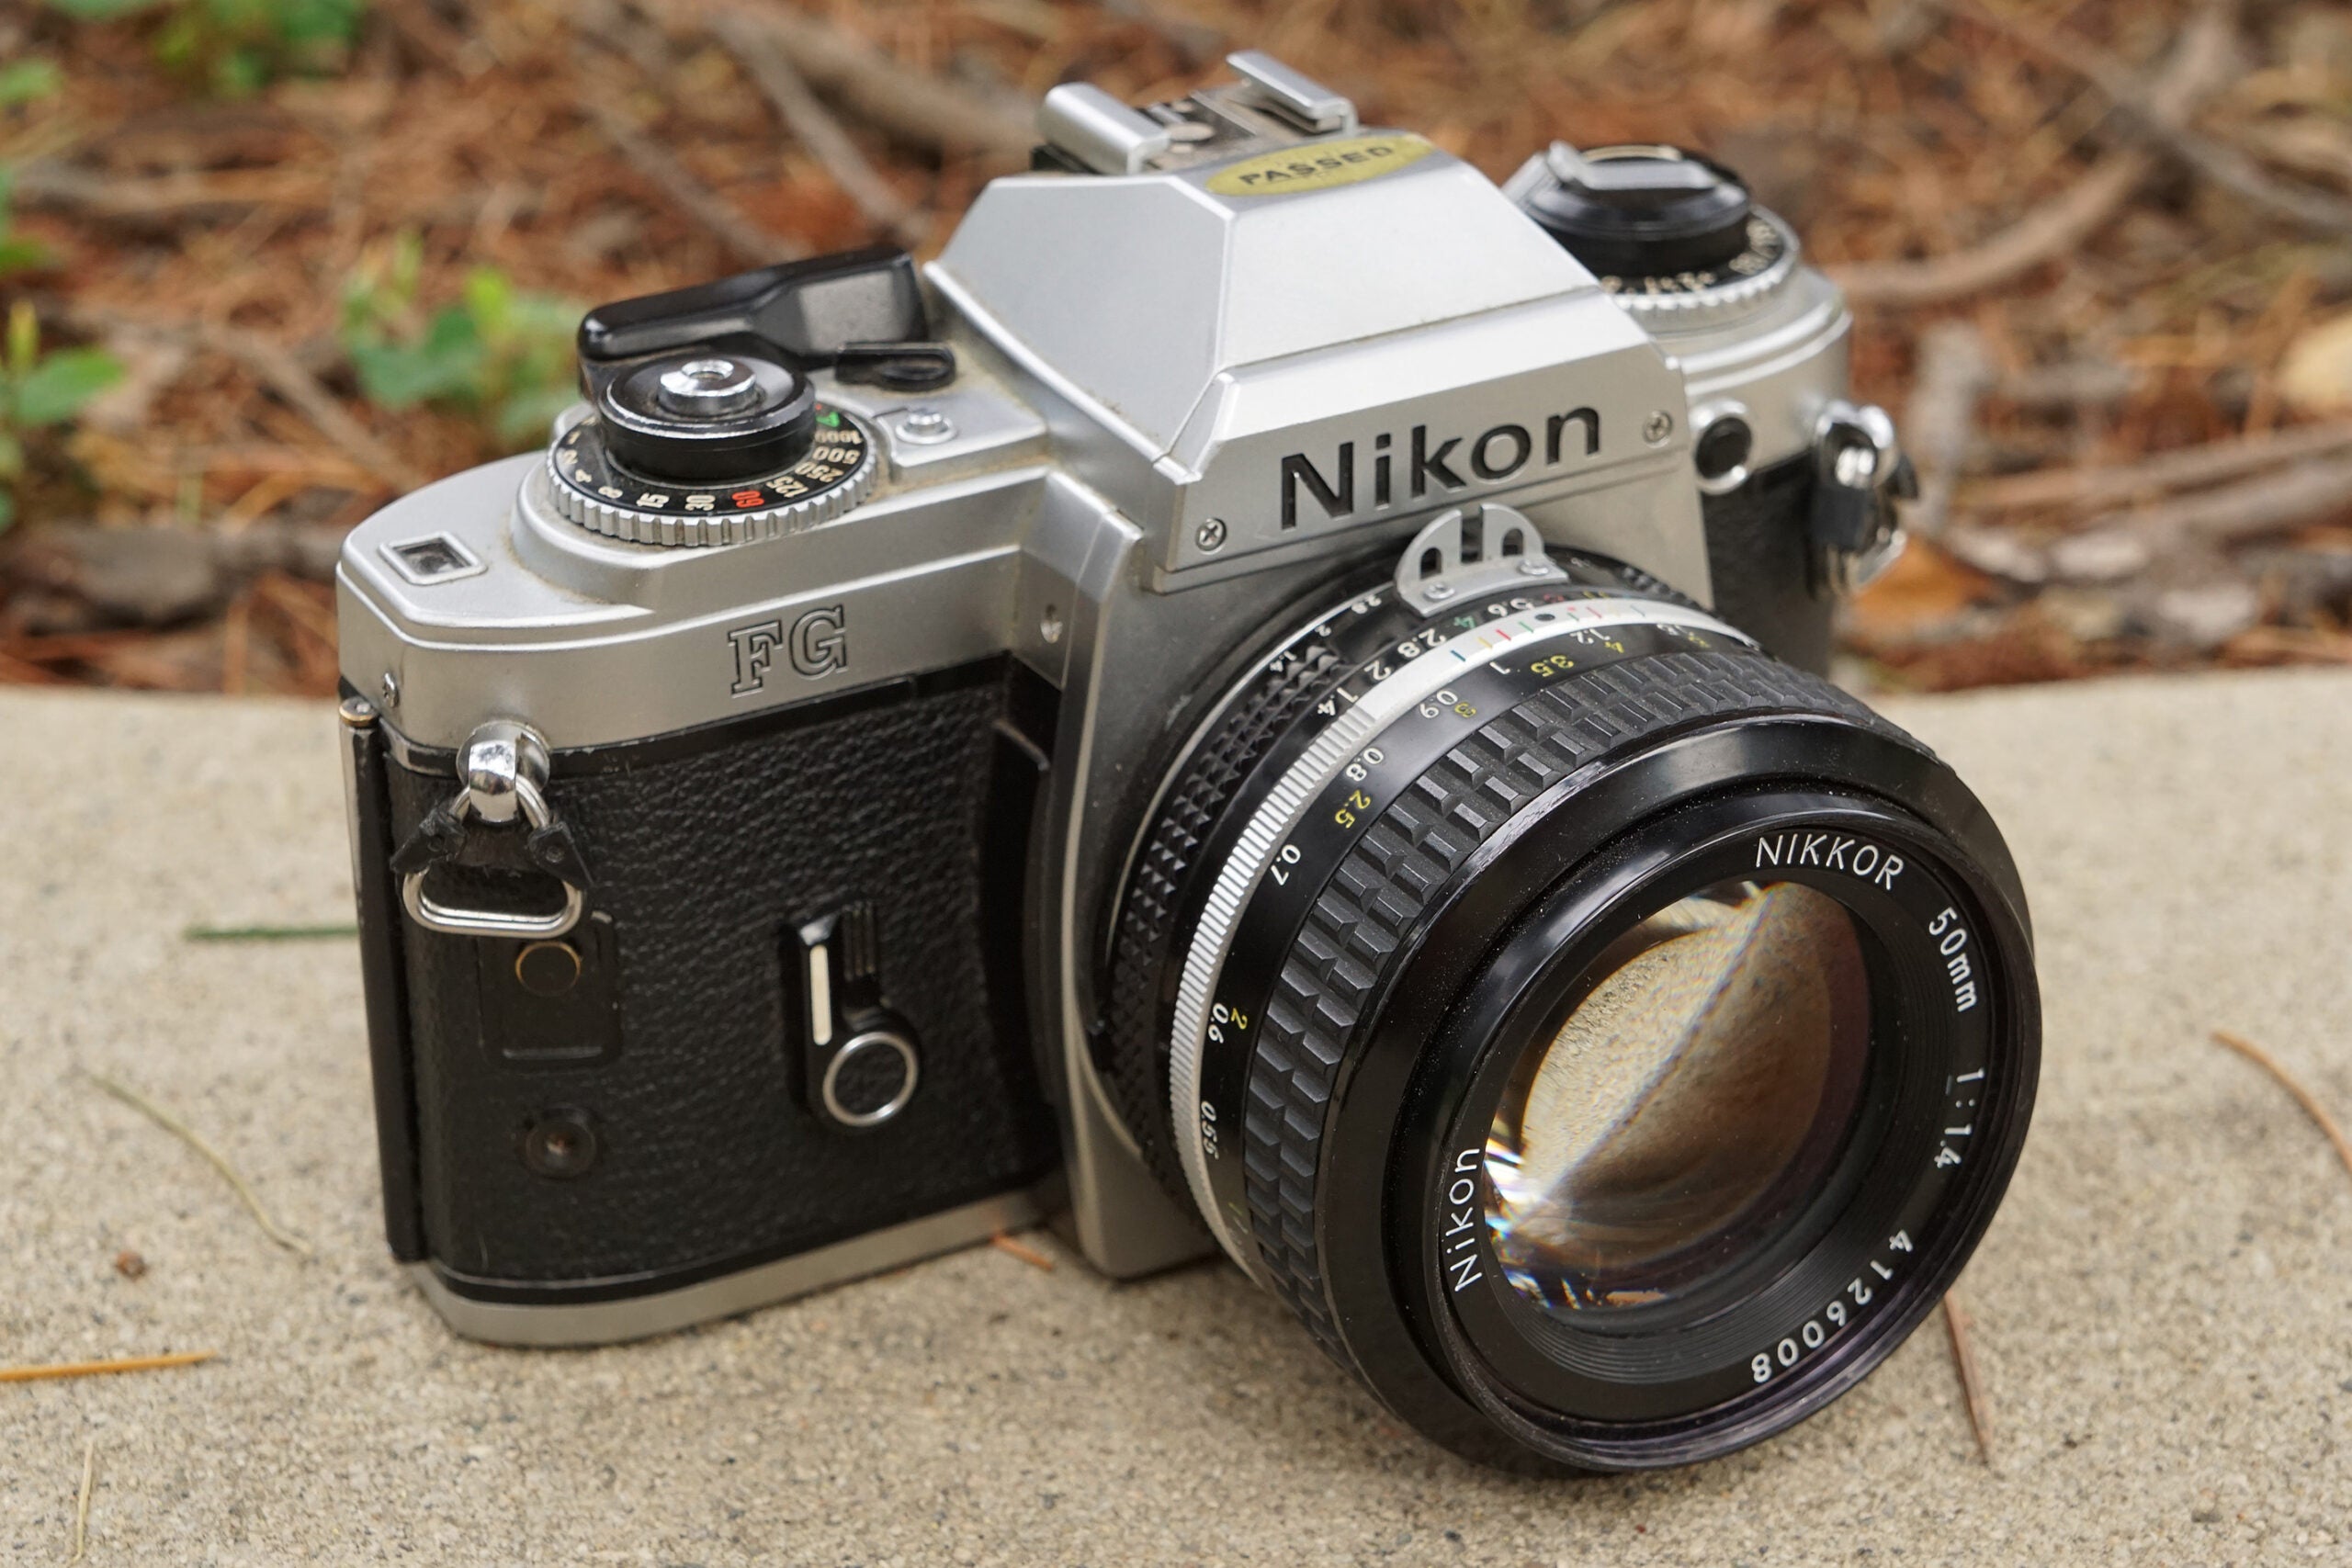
{"x": 1692, "y": 1102}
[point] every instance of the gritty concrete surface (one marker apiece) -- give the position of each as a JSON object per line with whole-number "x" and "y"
{"x": 2163, "y": 1309}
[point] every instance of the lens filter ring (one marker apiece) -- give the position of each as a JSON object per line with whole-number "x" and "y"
{"x": 1813, "y": 1287}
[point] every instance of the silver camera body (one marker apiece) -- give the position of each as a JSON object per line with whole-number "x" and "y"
{"x": 1203, "y": 354}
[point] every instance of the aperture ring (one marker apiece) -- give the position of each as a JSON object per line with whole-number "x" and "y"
{"x": 1371, "y": 908}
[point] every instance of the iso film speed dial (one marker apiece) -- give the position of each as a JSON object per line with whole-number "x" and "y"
{"x": 1674, "y": 236}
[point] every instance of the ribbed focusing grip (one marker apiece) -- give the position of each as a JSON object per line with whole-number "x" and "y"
{"x": 1135, "y": 1067}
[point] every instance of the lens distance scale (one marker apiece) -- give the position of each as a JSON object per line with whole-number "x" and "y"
{"x": 594, "y": 490}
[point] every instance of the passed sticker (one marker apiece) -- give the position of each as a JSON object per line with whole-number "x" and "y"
{"x": 1319, "y": 166}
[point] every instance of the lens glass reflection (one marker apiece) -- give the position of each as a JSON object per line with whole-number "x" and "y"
{"x": 1690, "y": 1107}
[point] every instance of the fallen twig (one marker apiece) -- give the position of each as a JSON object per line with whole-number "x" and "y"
{"x": 1955, "y": 372}
{"x": 773, "y": 70}
{"x": 2216, "y": 161}
{"x": 460, "y": 55}
{"x": 2072, "y": 384}
{"x": 283, "y": 374}
{"x": 909, "y": 103}
{"x": 267, "y": 933}
{"x": 2199, "y": 65}
{"x": 1197, "y": 41}
{"x": 153, "y": 199}
{"x": 1972, "y": 1388}
{"x": 103, "y": 1369}
{"x": 153, "y": 576}
{"x": 189, "y": 1135}
{"x": 278, "y": 369}
{"x": 1028, "y": 1255}
{"x": 747, "y": 240}
{"x": 2287, "y": 1080}
{"x": 2127, "y": 542}
{"x": 2182, "y": 468}
{"x": 82, "y": 1504}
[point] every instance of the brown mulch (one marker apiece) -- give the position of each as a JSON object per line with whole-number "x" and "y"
{"x": 2141, "y": 275}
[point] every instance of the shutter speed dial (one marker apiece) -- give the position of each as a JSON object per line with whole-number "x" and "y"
{"x": 704, "y": 449}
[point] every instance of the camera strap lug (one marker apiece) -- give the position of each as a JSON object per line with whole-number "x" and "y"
{"x": 505, "y": 766}
{"x": 1860, "y": 473}
{"x": 1437, "y": 570}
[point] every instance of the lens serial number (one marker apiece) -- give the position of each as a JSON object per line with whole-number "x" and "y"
{"x": 1825, "y": 1325}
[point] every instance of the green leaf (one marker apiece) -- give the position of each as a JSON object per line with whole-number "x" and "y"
{"x": 447, "y": 363}
{"x": 319, "y": 21}
{"x": 239, "y": 73}
{"x": 57, "y": 387}
{"x": 23, "y": 340}
{"x": 490, "y": 301}
{"x": 23, "y": 81}
{"x": 102, "y": 10}
{"x": 525, "y": 417}
{"x": 8, "y": 510}
{"x": 21, "y": 256}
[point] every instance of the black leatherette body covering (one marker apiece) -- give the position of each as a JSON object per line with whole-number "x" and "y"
{"x": 704, "y": 863}
{"x": 1756, "y": 559}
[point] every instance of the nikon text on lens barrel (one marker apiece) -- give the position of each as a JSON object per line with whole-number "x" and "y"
{"x": 1271, "y": 700}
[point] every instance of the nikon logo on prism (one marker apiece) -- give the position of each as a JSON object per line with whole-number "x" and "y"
{"x": 1410, "y": 474}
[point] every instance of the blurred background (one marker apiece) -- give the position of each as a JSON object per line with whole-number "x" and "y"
{"x": 265, "y": 263}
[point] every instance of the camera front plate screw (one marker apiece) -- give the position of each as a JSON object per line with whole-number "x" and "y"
{"x": 1210, "y": 536}
{"x": 388, "y": 692}
{"x": 1531, "y": 567}
{"x": 1658, "y": 427}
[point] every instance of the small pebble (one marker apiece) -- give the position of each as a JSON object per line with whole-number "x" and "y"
{"x": 129, "y": 1264}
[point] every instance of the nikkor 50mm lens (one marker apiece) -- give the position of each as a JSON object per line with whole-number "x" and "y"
{"x": 1609, "y": 1040}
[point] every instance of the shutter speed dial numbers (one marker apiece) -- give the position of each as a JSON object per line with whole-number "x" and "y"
{"x": 1673, "y": 236}
{"x": 1761, "y": 268}
{"x": 595, "y": 491}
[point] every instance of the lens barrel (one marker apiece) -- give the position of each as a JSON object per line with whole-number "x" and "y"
{"x": 1609, "y": 1040}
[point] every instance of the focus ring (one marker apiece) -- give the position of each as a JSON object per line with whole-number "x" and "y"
{"x": 1371, "y": 907}
{"x": 1134, "y": 1070}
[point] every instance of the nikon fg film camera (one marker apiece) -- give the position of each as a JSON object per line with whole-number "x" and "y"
{"x": 1269, "y": 701}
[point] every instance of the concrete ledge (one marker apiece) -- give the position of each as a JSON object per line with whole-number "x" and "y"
{"x": 2163, "y": 1309}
